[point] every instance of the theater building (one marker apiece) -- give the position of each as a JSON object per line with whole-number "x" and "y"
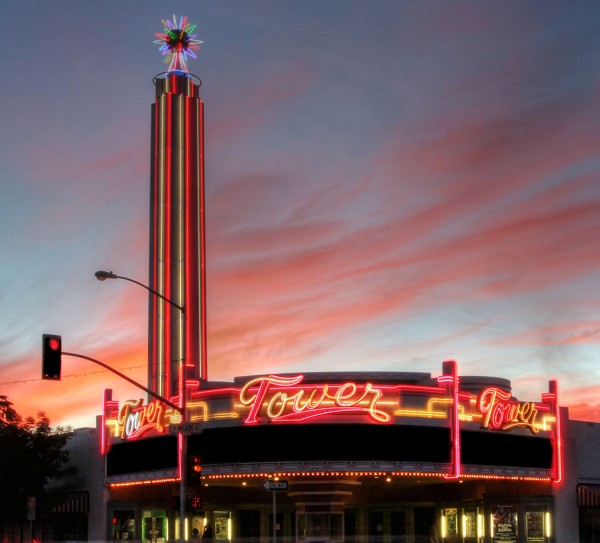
{"x": 332, "y": 457}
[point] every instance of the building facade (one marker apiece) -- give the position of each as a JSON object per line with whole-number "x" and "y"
{"x": 332, "y": 457}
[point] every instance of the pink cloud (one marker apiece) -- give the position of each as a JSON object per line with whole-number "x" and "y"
{"x": 583, "y": 402}
{"x": 585, "y": 332}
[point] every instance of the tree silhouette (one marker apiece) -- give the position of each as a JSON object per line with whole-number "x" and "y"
{"x": 31, "y": 453}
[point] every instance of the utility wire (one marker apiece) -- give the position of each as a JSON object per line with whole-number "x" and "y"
{"x": 87, "y": 374}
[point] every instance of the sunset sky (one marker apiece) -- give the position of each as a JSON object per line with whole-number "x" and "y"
{"x": 389, "y": 185}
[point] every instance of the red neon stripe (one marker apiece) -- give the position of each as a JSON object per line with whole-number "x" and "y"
{"x": 336, "y": 386}
{"x": 323, "y": 412}
{"x": 203, "y": 333}
{"x": 153, "y": 253}
{"x": 165, "y": 330}
{"x": 189, "y": 234}
{"x": 107, "y": 396}
{"x": 557, "y": 457}
{"x": 180, "y": 454}
{"x": 450, "y": 379}
{"x": 456, "y": 461}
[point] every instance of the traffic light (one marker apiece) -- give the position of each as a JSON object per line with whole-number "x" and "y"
{"x": 196, "y": 466}
{"x": 196, "y": 504}
{"x": 51, "y": 357}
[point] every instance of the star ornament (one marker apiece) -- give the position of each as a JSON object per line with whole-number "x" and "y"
{"x": 177, "y": 43}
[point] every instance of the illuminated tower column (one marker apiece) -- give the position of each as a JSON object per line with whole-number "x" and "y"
{"x": 177, "y": 239}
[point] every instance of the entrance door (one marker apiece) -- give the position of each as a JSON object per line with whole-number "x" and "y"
{"x": 222, "y": 526}
{"x": 154, "y": 526}
{"x": 424, "y": 520}
{"x": 375, "y": 523}
{"x": 249, "y": 525}
{"x": 123, "y": 523}
{"x": 399, "y": 526}
{"x": 325, "y": 527}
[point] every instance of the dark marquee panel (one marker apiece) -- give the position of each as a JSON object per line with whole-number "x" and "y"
{"x": 143, "y": 455}
{"x": 322, "y": 442}
{"x": 502, "y": 449}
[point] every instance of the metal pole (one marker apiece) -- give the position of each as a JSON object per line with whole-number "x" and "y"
{"x": 182, "y": 408}
{"x": 183, "y": 458}
{"x": 183, "y": 438}
{"x": 274, "y": 517}
{"x": 102, "y": 275}
{"x": 128, "y": 379}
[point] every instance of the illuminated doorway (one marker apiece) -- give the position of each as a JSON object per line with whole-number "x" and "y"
{"x": 325, "y": 527}
{"x": 154, "y": 526}
{"x": 222, "y": 526}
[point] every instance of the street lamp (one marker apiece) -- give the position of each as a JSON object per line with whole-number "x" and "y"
{"x": 102, "y": 275}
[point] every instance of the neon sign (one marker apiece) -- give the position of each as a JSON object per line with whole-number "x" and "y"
{"x": 280, "y": 400}
{"x": 500, "y": 413}
{"x": 135, "y": 419}
{"x": 288, "y": 399}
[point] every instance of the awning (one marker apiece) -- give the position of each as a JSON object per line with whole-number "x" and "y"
{"x": 588, "y": 495}
{"x": 76, "y": 502}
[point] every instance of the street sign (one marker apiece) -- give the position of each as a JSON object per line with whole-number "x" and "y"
{"x": 186, "y": 428}
{"x": 276, "y": 486}
{"x": 31, "y": 508}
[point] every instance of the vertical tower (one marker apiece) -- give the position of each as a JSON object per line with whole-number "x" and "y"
{"x": 177, "y": 339}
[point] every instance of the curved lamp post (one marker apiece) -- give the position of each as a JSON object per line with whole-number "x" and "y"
{"x": 102, "y": 275}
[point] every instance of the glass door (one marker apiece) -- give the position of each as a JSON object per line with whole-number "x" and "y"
{"x": 154, "y": 526}
{"x": 222, "y": 526}
{"x": 323, "y": 527}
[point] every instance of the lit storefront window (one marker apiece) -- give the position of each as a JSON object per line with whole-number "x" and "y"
{"x": 123, "y": 525}
{"x": 449, "y": 524}
{"x": 504, "y": 524}
{"x": 222, "y": 525}
{"x": 469, "y": 523}
{"x": 537, "y": 524}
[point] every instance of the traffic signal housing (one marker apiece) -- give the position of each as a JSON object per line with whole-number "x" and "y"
{"x": 51, "y": 357}
{"x": 196, "y": 466}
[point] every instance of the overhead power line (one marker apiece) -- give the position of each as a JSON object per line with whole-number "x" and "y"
{"x": 87, "y": 374}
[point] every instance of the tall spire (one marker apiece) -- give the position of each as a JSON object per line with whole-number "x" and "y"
{"x": 177, "y": 340}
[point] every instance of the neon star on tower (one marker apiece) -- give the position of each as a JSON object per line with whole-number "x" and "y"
{"x": 177, "y": 43}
